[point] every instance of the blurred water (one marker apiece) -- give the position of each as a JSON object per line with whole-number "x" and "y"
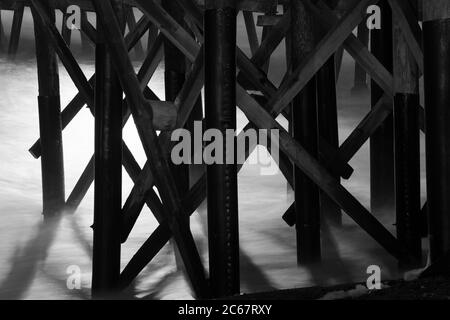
{"x": 34, "y": 257}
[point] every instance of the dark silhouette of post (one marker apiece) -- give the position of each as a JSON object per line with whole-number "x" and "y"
{"x": 360, "y": 80}
{"x": 328, "y": 125}
{"x": 108, "y": 170}
{"x": 382, "y": 190}
{"x": 2, "y": 35}
{"x": 305, "y": 131}
{"x": 407, "y": 149}
{"x": 436, "y": 46}
{"x": 50, "y": 128}
{"x": 220, "y": 99}
{"x": 15, "y": 30}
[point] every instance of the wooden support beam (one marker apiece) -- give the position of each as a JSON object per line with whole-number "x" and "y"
{"x": 131, "y": 22}
{"x": 158, "y": 163}
{"x": 266, "y": 31}
{"x": 298, "y": 79}
{"x": 251, "y": 31}
{"x": 357, "y": 50}
{"x": 360, "y": 80}
{"x": 144, "y": 75}
{"x": 436, "y": 35}
{"x": 108, "y": 169}
{"x": 86, "y": 45}
{"x": 410, "y": 28}
{"x": 64, "y": 53}
{"x": 251, "y": 73}
{"x": 268, "y": 20}
{"x": 78, "y": 101}
{"x": 382, "y": 187}
{"x": 15, "y": 31}
{"x": 52, "y": 161}
{"x": 319, "y": 175}
{"x": 185, "y": 102}
{"x": 407, "y": 146}
{"x": 264, "y": 120}
{"x": 328, "y": 130}
{"x": 88, "y": 30}
{"x": 65, "y": 31}
{"x": 160, "y": 236}
{"x": 174, "y": 78}
{"x": 306, "y": 132}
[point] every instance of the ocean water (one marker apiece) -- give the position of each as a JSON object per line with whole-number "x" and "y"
{"x": 35, "y": 258}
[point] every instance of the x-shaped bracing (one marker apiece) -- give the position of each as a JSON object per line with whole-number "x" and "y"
{"x": 175, "y": 209}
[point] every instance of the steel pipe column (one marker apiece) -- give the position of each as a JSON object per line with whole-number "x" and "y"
{"x": 220, "y": 98}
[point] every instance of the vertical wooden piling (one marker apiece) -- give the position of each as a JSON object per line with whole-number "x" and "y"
{"x": 220, "y": 97}
{"x": 108, "y": 170}
{"x": 436, "y": 36}
{"x": 328, "y": 125}
{"x": 382, "y": 190}
{"x": 305, "y": 130}
{"x": 360, "y": 80}
{"x": 15, "y": 30}
{"x": 52, "y": 162}
{"x": 407, "y": 149}
{"x": 328, "y": 129}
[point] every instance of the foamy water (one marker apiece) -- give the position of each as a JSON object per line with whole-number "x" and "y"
{"x": 34, "y": 258}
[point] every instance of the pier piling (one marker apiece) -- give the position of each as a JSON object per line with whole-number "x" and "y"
{"x": 305, "y": 131}
{"x": 220, "y": 113}
{"x": 52, "y": 162}
{"x": 436, "y": 47}
{"x": 382, "y": 190}
{"x": 407, "y": 147}
{"x": 108, "y": 168}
